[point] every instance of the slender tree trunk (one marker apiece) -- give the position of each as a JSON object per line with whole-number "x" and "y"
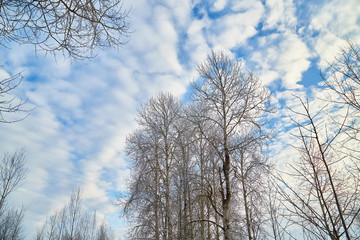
{"x": 185, "y": 192}
{"x": 208, "y": 217}
{"x": 190, "y": 215}
{"x": 202, "y": 205}
{"x": 180, "y": 213}
{"x": 156, "y": 207}
{"x": 247, "y": 215}
{"x": 227, "y": 200}
{"x": 168, "y": 211}
{"x": 167, "y": 194}
{"x": 214, "y": 183}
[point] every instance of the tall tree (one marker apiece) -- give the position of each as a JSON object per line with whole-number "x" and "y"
{"x": 234, "y": 101}
{"x": 153, "y": 150}
{"x": 185, "y": 179}
{"x": 144, "y": 206}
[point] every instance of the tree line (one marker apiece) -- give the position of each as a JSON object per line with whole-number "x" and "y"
{"x": 201, "y": 169}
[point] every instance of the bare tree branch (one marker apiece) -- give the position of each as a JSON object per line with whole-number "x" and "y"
{"x": 74, "y": 27}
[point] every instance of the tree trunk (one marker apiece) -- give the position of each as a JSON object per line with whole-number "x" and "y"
{"x": 202, "y": 205}
{"x": 243, "y": 183}
{"x": 227, "y": 199}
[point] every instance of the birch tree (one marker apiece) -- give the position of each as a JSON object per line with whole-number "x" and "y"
{"x": 234, "y": 101}
{"x": 153, "y": 152}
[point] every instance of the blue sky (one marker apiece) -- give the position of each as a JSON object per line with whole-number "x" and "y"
{"x": 83, "y": 110}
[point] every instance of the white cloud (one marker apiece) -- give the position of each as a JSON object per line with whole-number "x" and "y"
{"x": 338, "y": 16}
{"x": 281, "y": 54}
{"x": 180, "y": 12}
{"x": 280, "y": 14}
{"x": 283, "y": 57}
{"x": 333, "y": 22}
{"x": 328, "y": 46}
{"x": 48, "y": 160}
{"x": 268, "y": 76}
{"x": 235, "y": 29}
{"x": 293, "y": 59}
{"x": 243, "y": 5}
{"x": 218, "y": 5}
{"x": 196, "y": 44}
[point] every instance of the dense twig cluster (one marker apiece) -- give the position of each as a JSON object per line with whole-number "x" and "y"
{"x": 74, "y": 27}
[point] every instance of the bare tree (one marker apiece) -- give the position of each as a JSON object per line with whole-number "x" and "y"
{"x": 75, "y": 28}
{"x": 207, "y": 182}
{"x": 12, "y": 167}
{"x": 204, "y": 159}
{"x": 251, "y": 169}
{"x": 152, "y": 149}
{"x": 74, "y": 222}
{"x": 234, "y": 102}
{"x": 12, "y": 172}
{"x": 323, "y": 195}
{"x": 184, "y": 179}
{"x": 144, "y": 206}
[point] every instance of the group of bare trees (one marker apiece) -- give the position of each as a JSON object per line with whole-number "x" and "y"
{"x": 74, "y": 222}
{"x": 200, "y": 169}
